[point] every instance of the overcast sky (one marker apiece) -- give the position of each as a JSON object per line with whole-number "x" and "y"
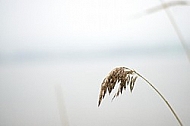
{"x": 59, "y": 25}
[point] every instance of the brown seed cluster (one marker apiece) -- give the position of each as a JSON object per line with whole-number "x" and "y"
{"x": 120, "y": 75}
{"x": 123, "y": 76}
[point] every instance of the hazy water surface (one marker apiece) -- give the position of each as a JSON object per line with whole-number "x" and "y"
{"x": 59, "y": 92}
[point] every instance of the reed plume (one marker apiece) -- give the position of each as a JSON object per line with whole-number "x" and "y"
{"x": 123, "y": 76}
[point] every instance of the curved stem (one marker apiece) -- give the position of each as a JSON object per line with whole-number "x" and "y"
{"x": 177, "y": 30}
{"x": 162, "y": 98}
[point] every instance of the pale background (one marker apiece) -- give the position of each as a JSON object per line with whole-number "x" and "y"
{"x": 54, "y": 55}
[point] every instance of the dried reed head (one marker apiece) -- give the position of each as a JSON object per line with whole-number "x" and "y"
{"x": 123, "y": 75}
{"x": 120, "y": 75}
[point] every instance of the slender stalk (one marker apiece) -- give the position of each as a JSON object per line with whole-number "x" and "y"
{"x": 162, "y": 98}
{"x": 177, "y": 30}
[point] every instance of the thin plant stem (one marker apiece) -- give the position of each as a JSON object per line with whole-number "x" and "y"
{"x": 177, "y": 30}
{"x": 162, "y": 98}
{"x": 123, "y": 76}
